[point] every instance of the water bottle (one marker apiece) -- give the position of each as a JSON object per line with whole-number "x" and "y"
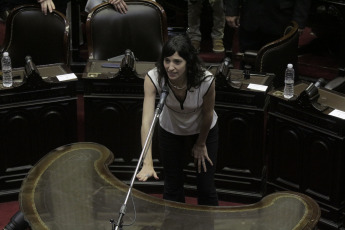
{"x": 6, "y": 67}
{"x": 289, "y": 81}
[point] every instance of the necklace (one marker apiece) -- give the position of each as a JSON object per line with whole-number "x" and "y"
{"x": 175, "y": 86}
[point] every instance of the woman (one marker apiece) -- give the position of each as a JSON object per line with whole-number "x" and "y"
{"x": 188, "y": 120}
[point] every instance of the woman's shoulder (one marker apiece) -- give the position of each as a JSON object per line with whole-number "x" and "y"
{"x": 153, "y": 72}
{"x": 208, "y": 76}
{"x": 153, "y": 75}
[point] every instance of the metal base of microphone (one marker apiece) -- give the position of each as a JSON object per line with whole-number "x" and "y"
{"x": 119, "y": 224}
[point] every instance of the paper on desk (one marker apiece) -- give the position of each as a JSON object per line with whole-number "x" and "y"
{"x": 66, "y": 77}
{"x": 257, "y": 87}
{"x": 338, "y": 113}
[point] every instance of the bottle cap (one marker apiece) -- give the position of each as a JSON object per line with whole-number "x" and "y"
{"x": 5, "y": 54}
{"x": 290, "y": 65}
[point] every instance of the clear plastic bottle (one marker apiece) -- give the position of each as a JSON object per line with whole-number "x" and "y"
{"x": 6, "y": 67}
{"x": 289, "y": 81}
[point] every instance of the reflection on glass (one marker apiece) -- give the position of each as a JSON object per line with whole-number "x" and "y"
{"x": 72, "y": 188}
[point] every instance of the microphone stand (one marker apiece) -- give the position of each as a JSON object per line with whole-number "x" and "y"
{"x": 122, "y": 212}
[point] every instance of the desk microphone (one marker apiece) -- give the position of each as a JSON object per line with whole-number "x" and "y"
{"x": 29, "y": 62}
{"x": 17, "y": 222}
{"x": 165, "y": 93}
{"x": 128, "y": 61}
{"x": 30, "y": 67}
{"x": 28, "y": 59}
{"x": 224, "y": 68}
{"x": 320, "y": 83}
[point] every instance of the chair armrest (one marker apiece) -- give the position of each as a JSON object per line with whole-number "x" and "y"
{"x": 336, "y": 83}
{"x": 341, "y": 72}
{"x": 237, "y": 56}
{"x": 249, "y": 57}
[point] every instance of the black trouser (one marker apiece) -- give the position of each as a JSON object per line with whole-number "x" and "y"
{"x": 174, "y": 150}
{"x": 255, "y": 40}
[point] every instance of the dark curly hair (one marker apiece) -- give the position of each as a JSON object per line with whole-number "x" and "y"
{"x": 194, "y": 66}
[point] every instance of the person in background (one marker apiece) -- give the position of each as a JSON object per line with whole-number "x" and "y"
{"x": 188, "y": 122}
{"x": 261, "y": 22}
{"x": 217, "y": 34}
{"x": 120, "y": 5}
{"x": 47, "y": 6}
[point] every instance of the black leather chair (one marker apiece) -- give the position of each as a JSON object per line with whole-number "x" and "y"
{"x": 31, "y": 33}
{"x": 274, "y": 56}
{"x": 143, "y": 30}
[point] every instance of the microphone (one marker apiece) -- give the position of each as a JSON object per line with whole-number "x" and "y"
{"x": 30, "y": 65}
{"x": 223, "y": 74}
{"x": 224, "y": 68}
{"x": 165, "y": 93}
{"x": 28, "y": 59}
{"x": 127, "y": 66}
{"x": 17, "y": 222}
{"x": 320, "y": 83}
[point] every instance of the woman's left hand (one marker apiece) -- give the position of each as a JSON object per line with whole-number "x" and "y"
{"x": 200, "y": 155}
{"x": 120, "y": 5}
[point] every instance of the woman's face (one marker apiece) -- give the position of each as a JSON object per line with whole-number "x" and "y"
{"x": 175, "y": 66}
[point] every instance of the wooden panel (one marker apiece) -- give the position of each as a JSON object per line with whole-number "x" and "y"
{"x": 36, "y": 116}
{"x": 306, "y": 152}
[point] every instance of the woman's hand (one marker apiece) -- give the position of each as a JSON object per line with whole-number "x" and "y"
{"x": 120, "y": 5}
{"x": 47, "y": 5}
{"x": 200, "y": 154}
{"x": 146, "y": 172}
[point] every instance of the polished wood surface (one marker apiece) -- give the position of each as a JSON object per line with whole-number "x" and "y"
{"x": 37, "y": 114}
{"x": 72, "y": 188}
{"x": 304, "y": 142}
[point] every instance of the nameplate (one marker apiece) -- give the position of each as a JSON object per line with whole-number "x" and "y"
{"x": 258, "y": 87}
{"x": 66, "y": 77}
{"x": 338, "y": 113}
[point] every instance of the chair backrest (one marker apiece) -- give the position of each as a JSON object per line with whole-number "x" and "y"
{"x": 275, "y": 56}
{"x": 31, "y": 33}
{"x": 143, "y": 30}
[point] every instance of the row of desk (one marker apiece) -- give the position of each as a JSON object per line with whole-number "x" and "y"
{"x": 267, "y": 143}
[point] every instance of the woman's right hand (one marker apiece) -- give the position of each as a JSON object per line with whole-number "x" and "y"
{"x": 146, "y": 172}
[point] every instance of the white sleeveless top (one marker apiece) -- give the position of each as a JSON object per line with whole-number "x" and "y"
{"x": 183, "y": 118}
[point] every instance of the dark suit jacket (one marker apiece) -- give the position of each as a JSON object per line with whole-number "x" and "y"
{"x": 270, "y": 16}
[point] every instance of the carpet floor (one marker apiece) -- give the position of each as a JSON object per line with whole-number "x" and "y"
{"x": 7, "y": 210}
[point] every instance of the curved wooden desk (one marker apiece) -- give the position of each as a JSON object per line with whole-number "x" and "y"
{"x": 71, "y": 188}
